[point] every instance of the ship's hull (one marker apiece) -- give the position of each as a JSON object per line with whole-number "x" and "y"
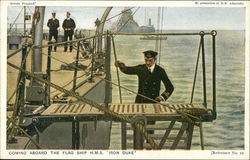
{"x": 58, "y": 135}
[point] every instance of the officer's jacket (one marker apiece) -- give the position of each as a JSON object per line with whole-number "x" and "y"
{"x": 150, "y": 83}
{"x": 69, "y": 24}
{"x": 53, "y": 24}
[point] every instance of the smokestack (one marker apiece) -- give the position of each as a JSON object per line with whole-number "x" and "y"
{"x": 149, "y": 21}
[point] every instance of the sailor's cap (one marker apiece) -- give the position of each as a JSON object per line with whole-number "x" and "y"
{"x": 150, "y": 54}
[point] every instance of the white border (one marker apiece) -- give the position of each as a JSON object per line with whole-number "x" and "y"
{"x": 3, "y": 78}
{"x": 193, "y": 154}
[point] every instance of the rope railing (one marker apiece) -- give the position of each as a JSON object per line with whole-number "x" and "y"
{"x": 183, "y": 114}
{"x": 14, "y": 92}
{"x": 18, "y": 83}
{"x": 71, "y": 41}
{"x": 14, "y": 53}
{"x": 160, "y": 34}
{"x": 65, "y": 85}
{"x": 116, "y": 33}
{"x": 189, "y": 117}
{"x": 123, "y": 118}
{"x": 92, "y": 103}
{"x": 117, "y": 71}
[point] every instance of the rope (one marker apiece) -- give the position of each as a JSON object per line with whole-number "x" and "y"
{"x": 73, "y": 79}
{"x": 14, "y": 53}
{"x": 17, "y": 85}
{"x": 177, "y": 111}
{"x": 118, "y": 14}
{"x": 183, "y": 114}
{"x": 126, "y": 119}
{"x": 117, "y": 71}
{"x": 12, "y": 95}
{"x": 127, "y": 21}
{"x": 72, "y": 41}
{"x": 163, "y": 34}
{"x": 29, "y": 10}
{"x": 87, "y": 101}
{"x": 15, "y": 19}
{"x": 118, "y": 33}
{"x": 14, "y": 114}
{"x": 18, "y": 78}
{"x": 140, "y": 127}
{"x": 195, "y": 74}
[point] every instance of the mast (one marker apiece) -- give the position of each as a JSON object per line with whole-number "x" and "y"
{"x": 24, "y": 21}
{"x": 37, "y": 58}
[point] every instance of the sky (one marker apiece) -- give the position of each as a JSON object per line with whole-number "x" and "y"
{"x": 174, "y": 18}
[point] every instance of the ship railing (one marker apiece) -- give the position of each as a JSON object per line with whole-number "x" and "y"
{"x": 140, "y": 127}
{"x": 201, "y": 47}
{"x": 201, "y": 50}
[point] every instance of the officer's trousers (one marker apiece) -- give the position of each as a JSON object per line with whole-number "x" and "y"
{"x": 68, "y": 35}
{"x": 53, "y": 33}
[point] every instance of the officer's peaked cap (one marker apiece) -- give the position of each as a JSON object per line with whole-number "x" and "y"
{"x": 150, "y": 53}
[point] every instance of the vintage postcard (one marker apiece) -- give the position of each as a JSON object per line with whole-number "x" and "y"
{"x": 124, "y": 80}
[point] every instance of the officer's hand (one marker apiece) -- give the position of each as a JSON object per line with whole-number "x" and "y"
{"x": 120, "y": 65}
{"x": 117, "y": 63}
{"x": 158, "y": 99}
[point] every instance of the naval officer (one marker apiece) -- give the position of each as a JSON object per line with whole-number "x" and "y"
{"x": 150, "y": 76}
{"x": 53, "y": 25}
{"x": 68, "y": 26}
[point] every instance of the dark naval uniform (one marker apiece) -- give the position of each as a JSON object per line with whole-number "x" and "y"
{"x": 53, "y": 24}
{"x": 150, "y": 83}
{"x": 68, "y": 26}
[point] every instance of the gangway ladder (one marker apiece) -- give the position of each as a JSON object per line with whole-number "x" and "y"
{"x": 170, "y": 135}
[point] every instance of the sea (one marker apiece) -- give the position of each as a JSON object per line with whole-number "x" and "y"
{"x": 178, "y": 56}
